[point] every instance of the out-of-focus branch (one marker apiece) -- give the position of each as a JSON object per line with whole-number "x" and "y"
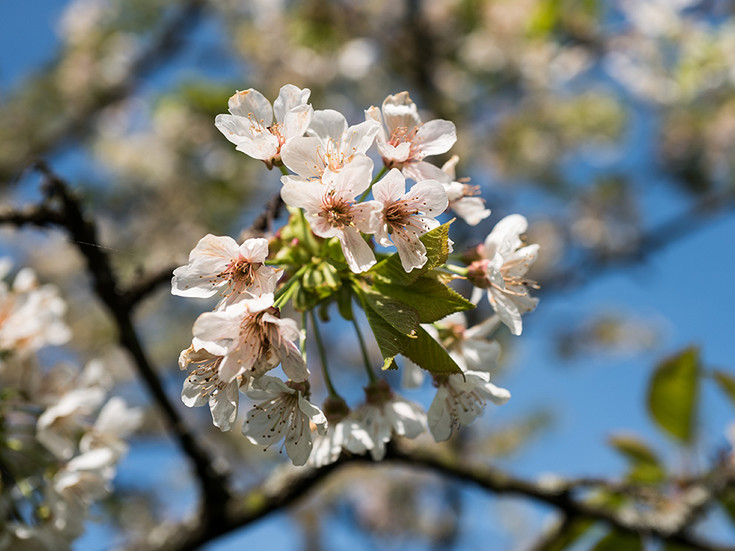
{"x": 160, "y": 49}
{"x": 63, "y": 209}
{"x": 653, "y": 241}
{"x": 288, "y": 487}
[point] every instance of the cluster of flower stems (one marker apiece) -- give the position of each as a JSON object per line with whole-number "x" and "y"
{"x": 336, "y": 248}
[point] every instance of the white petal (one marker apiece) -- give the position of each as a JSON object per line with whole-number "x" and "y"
{"x": 439, "y": 416}
{"x": 289, "y": 97}
{"x": 297, "y": 121}
{"x": 251, "y": 105}
{"x": 359, "y": 255}
{"x": 506, "y": 310}
{"x": 300, "y": 155}
{"x": 328, "y": 123}
{"x": 470, "y": 209}
{"x": 390, "y": 188}
{"x": 505, "y": 235}
{"x": 358, "y": 139}
{"x": 435, "y": 137}
{"x": 191, "y": 395}
{"x": 399, "y": 111}
{"x": 223, "y": 406}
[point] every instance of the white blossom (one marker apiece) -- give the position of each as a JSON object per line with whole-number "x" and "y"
{"x": 502, "y": 269}
{"x": 385, "y": 414}
{"x": 219, "y": 264}
{"x": 250, "y": 124}
{"x": 332, "y": 211}
{"x": 204, "y": 385}
{"x": 330, "y": 146}
{"x": 251, "y": 339}
{"x": 405, "y": 141}
{"x": 460, "y": 399}
{"x": 283, "y": 413}
{"x": 408, "y": 215}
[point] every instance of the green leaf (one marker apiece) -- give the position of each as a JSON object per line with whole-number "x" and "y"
{"x": 398, "y": 314}
{"x": 391, "y": 340}
{"x": 430, "y": 355}
{"x": 726, "y": 383}
{"x": 569, "y": 534}
{"x": 436, "y": 242}
{"x": 645, "y": 466}
{"x": 618, "y": 541}
{"x": 432, "y": 299}
{"x": 672, "y": 394}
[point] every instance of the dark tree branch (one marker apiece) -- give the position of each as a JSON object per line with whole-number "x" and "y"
{"x": 63, "y": 209}
{"x": 287, "y": 489}
{"x": 676, "y": 228}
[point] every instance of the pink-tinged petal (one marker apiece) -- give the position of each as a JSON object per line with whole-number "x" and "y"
{"x": 359, "y": 138}
{"x": 286, "y": 327}
{"x": 436, "y": 137}
{"x": 239, "y": 361}
{"x": 354, "y": 178}
{"x": 297, "y": 121}
{"x": 252, "y": 105}
{"x": 359, "y": 255}
{"x": 431, "y": 196}
{"x": 300, "y": 155}
{"x": 390, "y": 188}
{"x": 328, "y": 124}
{"x": 289, "y": 97}
{"x": 399, "y": 111}
{"x": 254, "y": 250}
{"x": 421, "y": 170}
{"x": 265, "y": 280}
{"x": 301, "y": 194}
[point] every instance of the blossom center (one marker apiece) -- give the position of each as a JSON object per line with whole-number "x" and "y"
{"x": 337, "y": 211}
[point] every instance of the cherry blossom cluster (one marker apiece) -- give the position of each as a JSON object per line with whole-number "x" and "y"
{"x": 61, "y": 434}
{"x": 352, "y": 238}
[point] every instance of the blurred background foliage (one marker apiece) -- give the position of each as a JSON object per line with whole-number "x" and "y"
{"x": 609, "y": 124}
